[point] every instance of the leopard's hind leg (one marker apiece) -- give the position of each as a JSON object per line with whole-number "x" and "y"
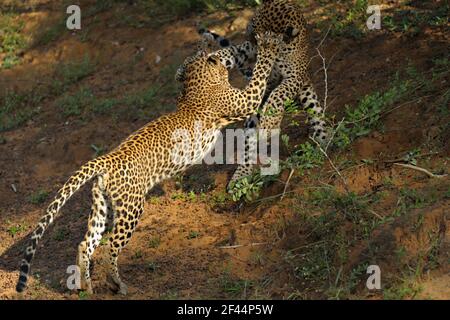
{"x": 96, "y": 227}
{"x": 127, "y": 217}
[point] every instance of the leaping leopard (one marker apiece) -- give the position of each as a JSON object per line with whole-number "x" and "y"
{"x": 125, "y": 175}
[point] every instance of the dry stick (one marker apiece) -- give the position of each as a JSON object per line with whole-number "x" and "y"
{"x": 272, "y": 197}
{"x": 324, "y": 152}
{"x": 375, "y": 214}
{"x": 287, "y": 184}
{"x": 332, "y": 164}
{"x": 307, "y": 245}
{"x": 410, "y": 166}
{"x": 320, "y": 44}
{"x": 334, "y": 133}
{"x": 325, "y": 72}
{"x": 243, "y": 245}
{"x": 402, "y": 105}
{"x": 403, "y": 159}
{"x": 323, "y": 40}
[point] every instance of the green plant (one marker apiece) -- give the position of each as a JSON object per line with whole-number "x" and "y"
{"x": 39, "y": 197}
{"x": 408, "y": 288}
{"x": 17, "y": 108}
{"x": 219, "y": 198}
{"x": 193, "y": 234}
{"x": 103, "y": 240}
{"x": 247, "y": 188}
{"x": 352, "y": 23}
{"x": 304, "y": 157}
{"x": 191, "y": 196}
{"x": 152, "y": 266}
{"x": 178, "y": 196}
{"x": 411, "y": 22}
{"x": 154, "y": 242}
{"x": 12, "y": 41}
{"x": 138, "y": 254}
{"x": 411, "y": 156}
{"x": 60, "y": 234}
{"x": 98, "y": 150}
{"x": 232, "y": 286}
{"x": 73, "y": 105}
{"x": 361, "y": 120}
{"x": 67, "y": 74}
{"x": 13, "y": 230}
{"x": 53, "y": 32}
{"x": 169, "y": 295}
{"x": 83, "y": 295}
{"x": 104, "y": 106}
{"x": 409, "y": 199}
{"x": 183, "y": 7}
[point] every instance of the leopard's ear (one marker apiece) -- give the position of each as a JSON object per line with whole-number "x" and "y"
{"x": 213, "y": 59}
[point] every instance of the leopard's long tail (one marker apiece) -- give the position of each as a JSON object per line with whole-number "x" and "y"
{"x": 88, "y": 171}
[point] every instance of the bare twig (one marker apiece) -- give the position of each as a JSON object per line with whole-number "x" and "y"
{"x": 349, "y": 168}
{"x": 403, "y": 104}
{"x": 243, "y": 245}
{"x": 324, "y": 38}
{"x": 410, "y": 166}
{"x": 375, "y": 214}
{"x": 272, "y": 197}
{"x": 418, "y": 156}
{"x": 334, "y": 133}
{"x": 325, "y": 72}
{"x": 332, "y": 164}
{"x": 308, "y": 245}
{"x": 287, "y": 184}
{"x": 320, "y": 44}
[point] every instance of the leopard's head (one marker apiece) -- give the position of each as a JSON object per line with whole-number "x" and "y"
{"x": 204, "y": 69}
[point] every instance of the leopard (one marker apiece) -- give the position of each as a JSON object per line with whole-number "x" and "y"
{"x": 123, "y": 177}
{"x": 289, "y": 80}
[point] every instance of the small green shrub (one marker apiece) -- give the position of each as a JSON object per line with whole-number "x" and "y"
{"x": 39, "y": 197}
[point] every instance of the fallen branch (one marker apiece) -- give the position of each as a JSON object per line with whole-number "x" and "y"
{"x": 428, "y": 173}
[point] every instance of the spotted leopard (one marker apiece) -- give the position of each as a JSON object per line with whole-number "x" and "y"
{"x": 289, "y": 79}
{"x": 124, "y": 176}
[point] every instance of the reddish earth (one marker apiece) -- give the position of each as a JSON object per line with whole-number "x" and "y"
{"x": 184, "y": 248}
